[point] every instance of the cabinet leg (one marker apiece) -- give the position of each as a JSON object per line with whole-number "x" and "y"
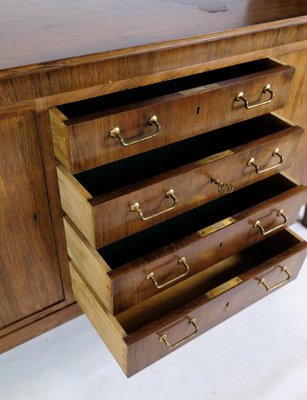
{"x": 304, "y": 221}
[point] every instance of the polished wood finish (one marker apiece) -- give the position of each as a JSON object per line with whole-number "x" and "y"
{"x": 295, "y": 109}
{"x": 126, "y": 285}
{"x": 80, "y": 250}
{"x": 84, "y": 142}
{"x": 103, "y": 27}
{"x": 140, "y": 345}
{"x": 106, "y": 217}
{"x": 43, "y": 126}
{"x": 43, "y": 66}
{"x": 108, "y": 73}
{"x": 28, "y": 255}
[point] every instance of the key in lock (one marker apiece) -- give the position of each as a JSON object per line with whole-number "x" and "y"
{"x": 223, "y": 187}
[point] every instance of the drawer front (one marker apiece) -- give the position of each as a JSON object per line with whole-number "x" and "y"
{"x": 131, "y": 284}
{"x": 139, "y": 348}
{"x": 147, "y": 276}
{"x": 89, "y": 141}
{"x": 206, "y": 315}
{"x": 111, "y": 217}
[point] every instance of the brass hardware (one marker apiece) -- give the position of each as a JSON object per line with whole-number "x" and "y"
{"x": 224, "y": 287}
{"x": 279, "y": 213}
{"x": 252, "y": 162}
{"x": 262, "y": 281}
{"x": 115, "y": 132}
{"x": 248, "y": 106}
{"x": 222, "y": 187}
{"x": 169, "y": 194}
{"x": 181, "y": 261}
{"x": 215, "y": 157}
{"x": 163, "y": 338}
{"x": 216, "y": 227}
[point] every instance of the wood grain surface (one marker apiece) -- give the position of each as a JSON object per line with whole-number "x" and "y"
{"x": 53, "y": 54}
{"x": 101, "y": 208}
{"x": 118, "y": 273}
{"x": 135, "y": 342}
{"x": 30, "y": 276}
{"x": 38, "y": 31}
{"x": 184, "y": 110}
{"x": 295, "y": 109}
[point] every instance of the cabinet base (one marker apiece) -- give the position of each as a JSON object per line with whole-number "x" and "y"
{"x": 36, "y": 328}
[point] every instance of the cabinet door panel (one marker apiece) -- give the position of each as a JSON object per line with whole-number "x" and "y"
{"x": 29, "y": 272}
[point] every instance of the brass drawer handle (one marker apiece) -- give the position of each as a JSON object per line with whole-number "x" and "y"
{"x": 163, "y": 338}
{"x": 252, "y": 162}
{"x": 222, "y": 187}
{"x": 262, "y": 281}
{"x": 279, "y": 213}
{"x": 115, "y": 133}
{"x": 169, "y": 194}
{"x": 181, "y": 261}
{"x": 266, "y": 89}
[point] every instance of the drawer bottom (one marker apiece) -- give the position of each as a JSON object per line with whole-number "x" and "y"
{"x": 150, "y": 330}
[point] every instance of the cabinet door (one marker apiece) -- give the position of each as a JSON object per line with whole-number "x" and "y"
{"x": 29, "y": 272}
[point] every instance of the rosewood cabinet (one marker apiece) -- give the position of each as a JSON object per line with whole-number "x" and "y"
{"x": 148, "y": 153}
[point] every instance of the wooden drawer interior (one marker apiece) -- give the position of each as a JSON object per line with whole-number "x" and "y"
{"x": 99, "y": 201}
{"x": 89, "y": 133}
{"x": 164, "y": 234}
{"x": 119, "y": 273}
{"x": 112, "y": 180}
{"x": 136, "y": 333}
{"x": 205, "y": 281}
{"x": 115, "y": 102}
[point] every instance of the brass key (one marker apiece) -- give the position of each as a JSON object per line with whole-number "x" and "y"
{"x": 223, "y": 187}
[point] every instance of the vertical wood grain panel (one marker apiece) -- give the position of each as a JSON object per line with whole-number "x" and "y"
{"x": 29, "y": 273}
{"x": 295, "y": 109}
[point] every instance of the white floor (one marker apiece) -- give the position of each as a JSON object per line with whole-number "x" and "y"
{"x": 261, "y": 353}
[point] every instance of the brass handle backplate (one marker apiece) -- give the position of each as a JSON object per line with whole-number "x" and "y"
{"x": 252, "y": 163}
{"x": 263, "y": 282}
{"x": 181, "y": 261}
{"x": 222, "y": 187}
{"x": 115, "y": 133}
{"x": 279, "y": 213}
{"x": 267, "y": 89}
{"x": 164, "y": 339}
{"x": 169, "y": 194}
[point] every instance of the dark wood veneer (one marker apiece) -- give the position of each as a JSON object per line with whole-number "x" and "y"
{"x": 39, "y": 31}
{"x": 55, "y": 54}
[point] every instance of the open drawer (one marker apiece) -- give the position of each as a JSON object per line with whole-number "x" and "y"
{"x": 113, "y": 201}
{"x": 151, "y": 330}
{"x": 94, "y": 132}
{"x": 141, "y": 266}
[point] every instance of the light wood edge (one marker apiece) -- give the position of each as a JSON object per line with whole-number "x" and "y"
{"x": 287, "y": 121}
{"x": 105, "y": 324}
{"x": 90, "y": 264}
{"x": 74, "y": 199}
{"x": 297, "y": 237}
{"x": 60, "y": 136}
{"x": 287, "y": 176}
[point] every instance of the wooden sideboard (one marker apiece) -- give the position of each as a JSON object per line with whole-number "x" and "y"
{"x": 54, "y": 57}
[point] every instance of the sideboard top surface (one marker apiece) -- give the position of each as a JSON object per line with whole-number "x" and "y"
{"x": 35, "y": 32}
